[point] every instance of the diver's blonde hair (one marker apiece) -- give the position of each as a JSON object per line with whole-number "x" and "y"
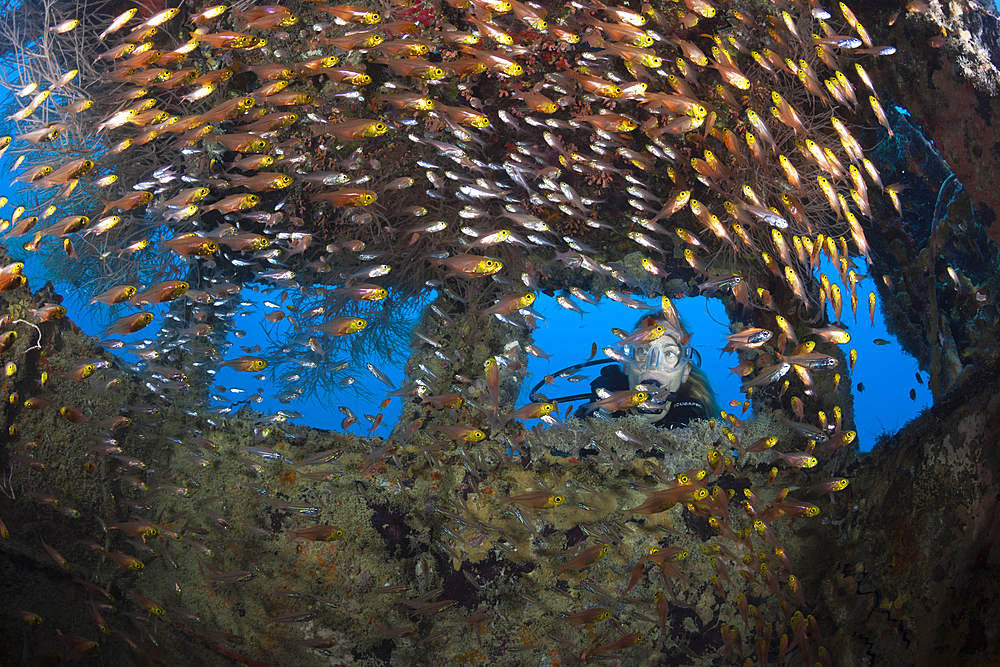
{"x": 699, "y": 388}
{"x": 697, "y": 385}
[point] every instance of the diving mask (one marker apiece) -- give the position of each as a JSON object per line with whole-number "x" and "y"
{"x": 663, "y": 355}
{"x": 660, "y": 368}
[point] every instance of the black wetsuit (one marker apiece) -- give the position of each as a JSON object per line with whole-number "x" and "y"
{"x": 681, "y": 412}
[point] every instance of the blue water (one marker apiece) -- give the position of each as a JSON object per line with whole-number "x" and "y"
{"x": 883, "y": 406}
{"x": 885, "y": 373}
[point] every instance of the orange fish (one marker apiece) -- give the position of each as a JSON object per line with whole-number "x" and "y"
{"x": 415, "y": 102}
{"x": 357, "y": 40}
{"x": 271, "y": 21}
{"x": 34, "y": 174}
{"x": 290, "y": 99}
{"x": 538, "y": 102}
{"x": 461, "y": 432}
{"x": 129, "y": 202}
{"x": 341, "y": 326}
{"x": 364, "y": 292}
{"x": 587, "y": 557}
{"x": 241, "y": 142}
{"x": 185, "y": 197}
{"x": 537, "y": 500}
{"x": 406, "y": 47}
{"x": 67, "y": 225}
{"x": 245, "y": 241}
{"x": 272, "y": 122}
{"x": 253, "y": 162}
{"x": 586, "y": 616}
{"x": 443, "y": 401}
{"x": 472, "y": 265}
{"x": 6, "y": 340}
{"x": 246, "y": 364}
{"x": 465, "y": 116}
{"x": 495, "y": 61}
{"x": 231, "y": 40}
{"x": 70, "y": 170}
{"x": 354, "y": 77}
{"x": 228, "y": 109}
{"x": 596, "y": 85}
{"x": 160, "y": 292}
{"x": 73, "y": 415}
{"x": 129, "y": 324}
{"x": 47, "y": 313}
{"x": 318, "y": 533}
{"x": 192, "y": 244}
{"x": 347, "y": 197}
{"x": 263, "y": 181}
{"x": 208, "y": 14}
{"x": 352, "y": 14}
{"x": 9, "y": 281}
{"x": 23, "y": 225}
{"x": 415, "y": 67}
{"x": 358, "y": 128}
{"x": 233, "y": 203}
{"x": 146, "y": 603}
{"x": 831, "y": 335}
{"x": 81, "y": 371}
{"x": 510, "y": 303}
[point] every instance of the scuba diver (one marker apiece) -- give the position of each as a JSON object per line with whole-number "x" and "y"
{"x": 678, "y": 389}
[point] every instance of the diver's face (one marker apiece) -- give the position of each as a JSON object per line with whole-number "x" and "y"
{"x": 661, "y": 364}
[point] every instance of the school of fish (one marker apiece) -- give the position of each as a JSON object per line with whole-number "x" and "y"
{"x": 349, "y": 158}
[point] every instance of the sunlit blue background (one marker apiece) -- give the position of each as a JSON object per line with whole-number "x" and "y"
{"x": 886, "y": 372}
